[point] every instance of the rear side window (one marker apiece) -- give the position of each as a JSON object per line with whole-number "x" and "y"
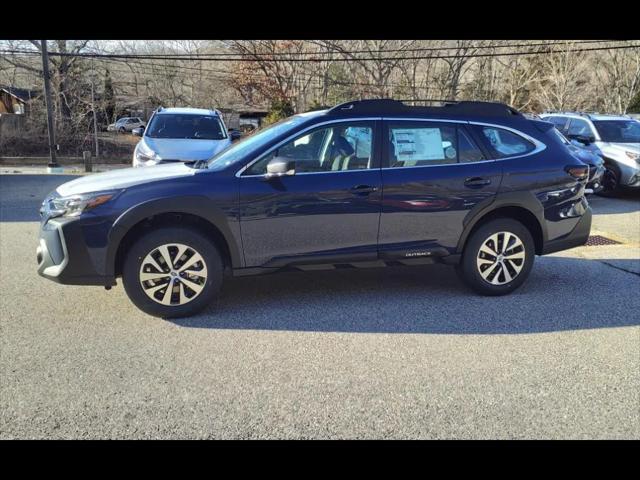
{"x": 415, "y": 145}
{"x": 504, "y": 143}
{"x": 467, "y": 150}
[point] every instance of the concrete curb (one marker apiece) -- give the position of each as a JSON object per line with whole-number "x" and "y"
{"x": 77, "y": 169}
{"x": 34, "y": 161}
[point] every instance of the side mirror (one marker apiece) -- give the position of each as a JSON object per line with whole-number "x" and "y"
{"x": 280, "y": 167}
{"x": 138, "y": 132}
{"x": 584, "y": 139}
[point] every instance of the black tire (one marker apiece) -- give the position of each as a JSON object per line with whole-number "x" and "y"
{"x": 150, "y": 242}
{"x": 469, "y": 271}
{"x": 121, "y": 130}
{"x": 610, "y": 180}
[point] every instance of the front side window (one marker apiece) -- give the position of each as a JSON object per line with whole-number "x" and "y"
{"x": 618, "y": 131}
{"x": 195, "y": 127}
{"x": 505, "y": 143}
{"x": 579, "y": 127}
{"x": 338, "y": 147}
{"x": 242, "y": 150}
{"x": 415, "y": 145}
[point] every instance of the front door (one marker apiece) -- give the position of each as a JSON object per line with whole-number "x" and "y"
{"x": 326, "y": 211}
{"x": 434, "y": 174}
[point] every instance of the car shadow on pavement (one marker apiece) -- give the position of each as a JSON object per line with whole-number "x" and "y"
{"x": 561, "y": 294}
{"x": 623, "y": 202}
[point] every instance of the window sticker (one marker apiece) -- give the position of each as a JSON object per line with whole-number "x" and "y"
{"x": 418, "y": 144}
{"x": 450, "y": 152}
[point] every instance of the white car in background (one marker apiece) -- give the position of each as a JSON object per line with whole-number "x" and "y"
{"x": 181, "y": 135}
{"x": 126, "y": 124}
{"x": 617, "y": 137}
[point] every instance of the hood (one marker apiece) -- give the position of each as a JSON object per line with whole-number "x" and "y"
{"x": 185, "y": 149}
{"x": 124, "y": 178}
{"x": 585, "y": 155}
{"x": 630, "y": 147}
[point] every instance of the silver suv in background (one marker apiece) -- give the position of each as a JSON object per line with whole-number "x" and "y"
{"x": 616, "y": 136}
{"x": 126, "y": 124}
{"x": 181, "y": 135}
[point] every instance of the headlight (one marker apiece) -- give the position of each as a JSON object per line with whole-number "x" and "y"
{"x": 143, "y": 154}
{"x": 633, "y": 155}
{"x": 74, "y": 205}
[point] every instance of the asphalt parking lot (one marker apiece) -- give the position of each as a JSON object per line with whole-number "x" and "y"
{"x": 402, "y": 352}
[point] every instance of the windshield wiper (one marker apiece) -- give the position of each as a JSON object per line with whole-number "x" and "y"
{"x": 197, "y": 164}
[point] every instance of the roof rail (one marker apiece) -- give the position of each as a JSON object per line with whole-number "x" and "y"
{"x": 388, "y": 105}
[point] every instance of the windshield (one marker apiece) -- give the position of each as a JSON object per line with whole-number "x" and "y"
{"x": 618, "y": 131}
{"x": 239, "y": 150}
{"x": 562, "y": 138}
{"x": 195, "y": 127}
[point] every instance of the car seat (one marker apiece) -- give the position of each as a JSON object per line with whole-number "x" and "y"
{"x": 339, "y": 154}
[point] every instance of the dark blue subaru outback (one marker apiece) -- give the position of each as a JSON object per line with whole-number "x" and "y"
{"x": 472, "y": 184}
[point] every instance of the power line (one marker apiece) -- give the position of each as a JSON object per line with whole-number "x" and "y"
{"x": 246, "y": 57}
{"x": 369, "y": 51}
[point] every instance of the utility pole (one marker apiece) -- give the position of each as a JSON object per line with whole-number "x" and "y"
{"x": 52, "y": 166}
{"x": 93, "y": 109}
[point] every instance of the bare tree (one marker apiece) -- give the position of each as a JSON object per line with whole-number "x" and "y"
{"x": 372, "y": 61}
{"x": 564, "y": 83}
{"x": 617, "y": 75}
{"x": 271, "y": 72}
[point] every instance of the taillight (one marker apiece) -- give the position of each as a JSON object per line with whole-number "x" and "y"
{"x": 579, "y": 172}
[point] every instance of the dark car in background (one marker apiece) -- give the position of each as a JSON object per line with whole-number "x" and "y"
{"x": 592, "y": 156}
{"x": 374, "y": 182}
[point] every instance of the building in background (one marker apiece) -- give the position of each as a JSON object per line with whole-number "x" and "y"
{"x": 16, "y": 100}
{"x": 244, "y": 117}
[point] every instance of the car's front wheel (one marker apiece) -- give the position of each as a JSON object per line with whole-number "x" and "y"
{"x": 610, "y": 180}
{"x": 498, "y": 257}
{"x": 172, "y": 272}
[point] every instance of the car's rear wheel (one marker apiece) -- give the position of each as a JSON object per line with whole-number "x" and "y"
{"x": 172, "y": 272}
{"x": 498, "y": 257}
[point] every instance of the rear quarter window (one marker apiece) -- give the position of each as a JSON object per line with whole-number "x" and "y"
{"x": 504, "y": 143}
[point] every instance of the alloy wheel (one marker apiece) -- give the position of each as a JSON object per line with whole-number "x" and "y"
{"x": 501, "y": 258}
{"x": 173, "y": 274}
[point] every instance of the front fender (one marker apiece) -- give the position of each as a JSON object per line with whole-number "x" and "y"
{"x": 198, "y": 205}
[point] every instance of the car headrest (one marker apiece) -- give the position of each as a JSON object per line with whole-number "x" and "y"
{"x": 342, "y": 146}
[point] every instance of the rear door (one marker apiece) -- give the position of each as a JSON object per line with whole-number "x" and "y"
{"x": 433, "y": 174}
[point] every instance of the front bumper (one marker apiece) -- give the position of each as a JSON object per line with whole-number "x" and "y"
{"x": 629, "y": 174}
{"x": 63, "y": 255}
{"x": 595, "y": 178}
{"x": 633, "y": 181}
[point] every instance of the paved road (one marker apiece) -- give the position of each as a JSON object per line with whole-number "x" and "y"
{"x": 383, "y": 353}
